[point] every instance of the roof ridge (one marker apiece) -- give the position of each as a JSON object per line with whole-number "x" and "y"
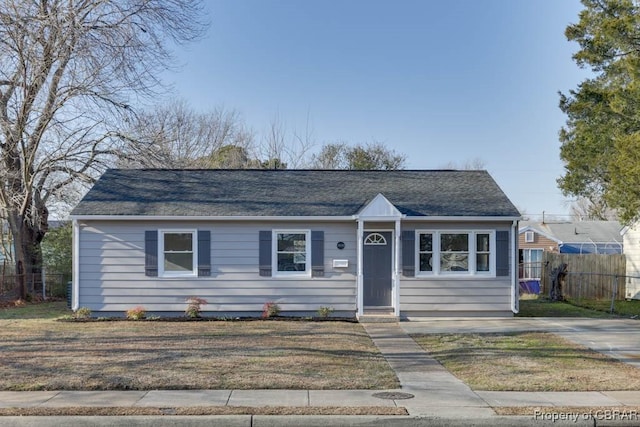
{"x": 290, "y": 170}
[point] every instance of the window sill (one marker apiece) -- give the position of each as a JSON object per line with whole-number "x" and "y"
{"x": 303, "y": 275}
{"x": 451, "y": 276}
{"x": 178, "y": 276}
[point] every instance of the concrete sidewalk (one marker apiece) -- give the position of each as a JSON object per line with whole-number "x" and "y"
{"x": 428, "y": 391}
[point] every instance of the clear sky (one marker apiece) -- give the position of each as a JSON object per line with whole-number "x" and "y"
{"x": 439, "y": 81}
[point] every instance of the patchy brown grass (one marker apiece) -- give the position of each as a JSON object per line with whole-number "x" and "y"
{"x": 129, "y": 355}
{"x": 206, "y": 410}
{"x": 530, "y": 361}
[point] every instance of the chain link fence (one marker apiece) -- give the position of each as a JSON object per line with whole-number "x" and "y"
{"x": 593, "y": 281}
{"x": 47, "y": 285}
{"x": 595, "y": 290}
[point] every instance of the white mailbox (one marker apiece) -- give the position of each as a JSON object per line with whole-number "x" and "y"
{"x": 340, "y": 263}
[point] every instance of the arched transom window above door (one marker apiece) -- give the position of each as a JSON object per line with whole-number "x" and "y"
{"x": 375, "y": 239}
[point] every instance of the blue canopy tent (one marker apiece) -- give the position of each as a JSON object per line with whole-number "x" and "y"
{"x": 609, "y": 248}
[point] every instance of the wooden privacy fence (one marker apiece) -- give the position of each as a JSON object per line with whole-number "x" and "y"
{"x": 590, "y": 276}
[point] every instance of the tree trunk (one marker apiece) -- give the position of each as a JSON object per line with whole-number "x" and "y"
{"x": 27, "y": 238}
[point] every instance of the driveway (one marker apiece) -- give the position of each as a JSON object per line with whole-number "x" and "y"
{"x": 618, "y": 338}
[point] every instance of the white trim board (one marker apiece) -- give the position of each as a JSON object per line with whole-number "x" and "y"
{"x": 289, "y": 218}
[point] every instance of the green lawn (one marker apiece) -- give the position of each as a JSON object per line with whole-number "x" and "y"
{"x": 622, "y": 308}
{"x": 542, "y": 307}
{"x": 45, "y": 310}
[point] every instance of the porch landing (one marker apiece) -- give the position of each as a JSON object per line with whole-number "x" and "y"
{"x": 378, "y": 315}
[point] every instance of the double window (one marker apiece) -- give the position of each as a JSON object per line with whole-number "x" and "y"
{"x": 291, "y": 249}
{"x": 444, "y": 252}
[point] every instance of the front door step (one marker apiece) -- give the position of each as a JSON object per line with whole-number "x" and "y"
{"x": 378, "y": 315}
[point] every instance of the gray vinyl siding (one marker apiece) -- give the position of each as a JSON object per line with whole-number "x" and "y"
{"x": 112, "y": 270}
{"x": 456, "y": 296}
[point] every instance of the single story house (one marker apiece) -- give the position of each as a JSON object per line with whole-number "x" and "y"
{"x": 409, "y": 242}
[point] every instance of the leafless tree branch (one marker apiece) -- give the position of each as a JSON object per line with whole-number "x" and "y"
{"x": 69, "y": 71}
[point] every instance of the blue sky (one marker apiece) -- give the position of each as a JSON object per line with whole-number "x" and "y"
{"x": 439, "y": 81}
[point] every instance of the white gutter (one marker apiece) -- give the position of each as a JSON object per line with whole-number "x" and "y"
{"x": 396, "y": 271}
{"x": 515, "y": 291}
{"x": 288, "y": 218}
{"x": 75, "y": 302}
{"x": 463, "y": 218}
{"x": 207, "y": 218}
{"x": 360, "y": 273}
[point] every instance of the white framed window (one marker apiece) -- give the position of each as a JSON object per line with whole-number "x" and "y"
{"x": 177, "y": 253}
{"x": 455, "y": 252}
{"x": 425, "y": 252}
{"x": 483, "y": 252}
{"x": 291, "y": 252}
{"x": 530, "y": 263}
{"x": 529, "y": 237}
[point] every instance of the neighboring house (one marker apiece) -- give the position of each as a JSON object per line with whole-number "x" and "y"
{"x": 413, "y": 243}
{"x": 580, "y": 237}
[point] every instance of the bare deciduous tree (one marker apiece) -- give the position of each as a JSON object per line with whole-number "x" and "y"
{"x": 69, "y": 71}
{"x": 592, "y": 209}
{"x": 176, "y": 136}
{"x": 282, "y": 149}
{"x": 473, "y": 164}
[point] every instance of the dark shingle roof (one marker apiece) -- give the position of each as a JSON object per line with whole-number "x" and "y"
{"x": 579, "y": 231}
{"x": 214, "y": 192}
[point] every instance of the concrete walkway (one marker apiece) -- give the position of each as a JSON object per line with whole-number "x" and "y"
{"x": 439, "y": 393}
{"x": 433, "y": 393}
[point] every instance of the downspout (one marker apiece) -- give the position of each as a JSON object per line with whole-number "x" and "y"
{"x": 515, "y": 294}
{"x": 360, "y": 276}
{"x": 396, "y": 271}
{"x": 75, "y": 302}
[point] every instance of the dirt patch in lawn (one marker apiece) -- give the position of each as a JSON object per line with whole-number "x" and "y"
{"x": 530, "y": 361}
{"x": 208, "y": 410}
{"x": 50, "y": 355}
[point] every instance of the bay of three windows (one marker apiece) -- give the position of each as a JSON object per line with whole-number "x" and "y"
{"x": 447, "y": 252}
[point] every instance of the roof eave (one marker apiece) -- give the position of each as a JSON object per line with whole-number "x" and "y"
{"x": 208, "y": 218}
{"x": 286, "y": 218}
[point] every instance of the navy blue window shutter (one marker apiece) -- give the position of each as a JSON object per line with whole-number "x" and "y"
{"x": 264, "y": 257}
{"x": 151, "y": 253}
{"x": 502, "y": 253}
{"x": 317, "y": 254}
{"x": 408, "y": 253}
{"x": 204, "y": 253}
